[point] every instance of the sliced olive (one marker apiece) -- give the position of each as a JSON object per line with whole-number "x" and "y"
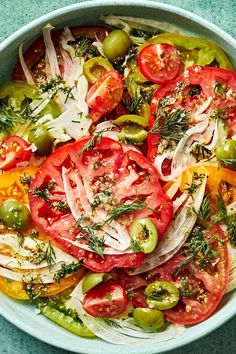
{"x": 162, "y": 295}
{"x": 132, "y": 118}
{"x": 144, "y": 236}
{"x": 132, "y": 134}
{"x": 116, "y": 44}
{"x": 95, "y": 68}
{"x": 226, "y": 154}
{"x": 93, "y": 279}
{"x": 148, "y": 319}
{"x": 41, "y": 138}
{"x": 14, "y": 214}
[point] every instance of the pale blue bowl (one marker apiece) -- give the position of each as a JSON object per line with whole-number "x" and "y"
{"x": 21, "y": 314}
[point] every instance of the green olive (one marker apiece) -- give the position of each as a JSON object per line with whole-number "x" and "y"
{"x": 162, "y": 295}
{"x": 143, "y": 233}
{"x": 148, "y": 319}
{"x": 41, "y": 138}
{"x": 96, "y": 67}
{"x": 131, "y": 118}
{"x": 14, "y": 214}
{"x": 226, "y": 154}
{"x": 116, "y": 45}
{"x": 93, "y": 279}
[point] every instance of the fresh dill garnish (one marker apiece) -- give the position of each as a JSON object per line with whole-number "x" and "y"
{"x": 66, "y": 269}
{"x": 185, "y": 290}
{"x": 200, "y": 151}
{"x": 10, "y": 117}
{"x": 95, "y": 139}
{"x": 111, "y": 323}
{"x": 99, "y": 198}
{"x": 135, "y": 245}
{"x": 229, "y": 221}
{"x": 55, "y": 85}
{"x": 50, "y": 255}
{"x": 194, "y": 90}
{"x": 45, "y": 192}
{"x": 191, "y": 189}
{"x": 33, "y": 295}
{"x": 197, "y": 180}
{"x": 26, "y": 180}
{"x": 84, "y": 44}
{"x": 60, "y": 206}
{"x": 21, "y": 239}
{"x": 218, "y": 114}
{"x": 204, "y": 211}
{"x": 170, "y": 126}
{"x": 196, "y": 245}
{"x": 126, "y": 208}
{"x": 34, "y": 233}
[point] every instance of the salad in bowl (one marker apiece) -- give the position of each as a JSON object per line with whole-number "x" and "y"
{"x": 118, "y": 179}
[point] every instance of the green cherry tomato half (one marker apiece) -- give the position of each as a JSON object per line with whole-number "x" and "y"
{"x": 14, "y": 214}
{"x": 41, "y": 138}
{"x": 93, "y": 279}
{"x": 131, "y": 118}
{"x": 116, "y": 44}
{"x": 161, "y": 295}
{"x": 148, "y": 319}
{"x": 226, "y": 154}
{"x": 132, "y": 134}
{"x": 95, "y": 68}
{"x": 143, "y": 233}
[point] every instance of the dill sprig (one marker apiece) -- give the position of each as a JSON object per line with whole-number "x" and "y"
{"x": 197, "y": 245}
{"x": 60, "y": 206}
{"x": 9, "y": 118}
{"x": 26, "y": 180}
{"x": 170, "y": 126}
{"x": 50, "y": 255}
{"x": 204, "y": 212}
{"x": 112, "y": 323}
{"x": 43, "y": 193}
{"x": 66, "y": 269}
{"x": 55, "y": 85}
{"x": 84, "y": 45}
{"x": 200, "y": 151}
{"x": 229, "y": 221}
{"x": 95, "y": 139}
{"x": 135, "y": 245}
{"x": 121, "y": 209}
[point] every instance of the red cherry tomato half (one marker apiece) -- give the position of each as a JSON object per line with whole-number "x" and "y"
{"x": 14, "y": 150}
{"x": 106, "y": 93}
{"x": 159, "y": 63}
{"x": 105, "y": 300}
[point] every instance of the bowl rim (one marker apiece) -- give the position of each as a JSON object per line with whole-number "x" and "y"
{"x": 6, "y": 311}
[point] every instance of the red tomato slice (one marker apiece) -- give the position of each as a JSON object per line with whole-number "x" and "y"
{"x": 35, "y": 54}
{"x": 105, "y": 300}
{"x": 14, "y": 150}
{"x": 189, "y": 91}
{"x": 138, "y": 298}
{"x": 128, "y": 175}
{"x": 159, "y": 63}
{"x": 106, "y": 93}
{"x": 128, "y": 282}
{"x": 207, "y": 286}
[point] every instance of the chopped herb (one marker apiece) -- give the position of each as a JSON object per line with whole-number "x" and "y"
{"x": 50, "y": 255}
{"x": 200, "y": 151}
{"x": 34, "y": 233}
{"x": 55, "y": 85}
{"x": 218, "y": 88}
{"x": 65, "y": 270}
{"x": 191, "y": 189}
{"x": 45, "y": 192}
{"x": 95, "y": 139}
{"x": 126, "y": 208}
{"x": 194, "y": 90}
{"x": 143, "y": 34}
{"x": 135, "y": 245}
{"x": 84, "y": 45}
{"x": 204, "y": 211}
{"x": 196, "y": 245}
{"x": 26, "y": 180}
{"x": 229, "y": 221}
{"x": 185, "y": 290}
{"x": 9, "y": 118}
{"x": 170, "y": 126}
{"x": 33, "y": 295}
{"x": 21, "y": 239}
{"x": 60, "y": 206}
{"x": 112, "y": 323}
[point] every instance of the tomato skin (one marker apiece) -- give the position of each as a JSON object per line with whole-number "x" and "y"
{"x": 105, "y": 94}
{"x": 138, "y": 298}
{"x": 214, "y": 286}
{"x": 159, "y": 63}
{"x": 36, "y": 51}
{"x": 105, "y": 300}
{"x": 14, "y": 150}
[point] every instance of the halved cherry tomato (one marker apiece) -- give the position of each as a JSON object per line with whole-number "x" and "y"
{"x": 106, "y": 93}
{"x": 105, "y": 300}
{"x": 159, "y": 63}
{"x": 128, "y": 174}
{"x": 205, "y": 286}
{"x": 14, "y": 150}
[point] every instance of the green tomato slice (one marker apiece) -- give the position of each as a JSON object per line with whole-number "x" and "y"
{"x": 226, "y": 154}
{"x": 162, "y": 295}
{"x": 66, "y": 322}
{"x": 148, "y": 319}
{"x": 41, "y": 138}
{"x": 95, "y": 68}
{"x": 131, "y": 118}
{"x": 132, "y": 134}
{"x": 93, "y": 279}
{"x": 14, "y": 214}
{"x": 144, "y": 236}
